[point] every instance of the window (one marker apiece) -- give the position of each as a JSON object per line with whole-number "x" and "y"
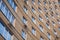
{"x": 33, "y": 31}
{"x": 41, "y": 28}
{"x": 39, "y": 9}
{"x": 7, "y": 13}
{"x": 58, "y": 21}
{"x": 52, "y": 13}
{"x": 12, "y": 3}
{"x": 39, "y": 2}
{"x": 58, "y": 28}
{"x": 12, "y": 19}
{"x": 33, "y": 10}
{"x": 40, "y": 18}
{"x": 41, "y": 38}
{"x": 46, "y": 16}
{"x": 45, "y": 9}
{"x": 24, "y": 20}
{"x": 0, "y": 0}
{"x": 33, "y": 20}
{"x": 47, "y": 25}
{"x": 55, "y": 32}
{"x": 59, "y": 1}
{"x": 53, "y": 23}
{"x": 33, "y": 1}
{"x": 44, "y": 2}
{"x": 25, "y": 9}
{"x": 23, "y": 35}
{"x": 4, "y": 31}
{"x": 48, "y": 35}
{"x": 2, "y": 7}
{"x": 0, "y": 3}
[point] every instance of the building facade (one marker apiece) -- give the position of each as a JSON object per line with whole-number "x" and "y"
{"x": 29, "y": 19}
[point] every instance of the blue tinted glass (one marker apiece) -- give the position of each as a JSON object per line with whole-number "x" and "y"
{"x": 0, "y": 3}
{"x": 10, "y": 1}
{"x": 2, "y": 7}
{"x": 8, "y": 36}
{"x": 5, "y": 33}
{"x": 23, "y": 34}
{"x": 15, "y": 7}
{"x": 32, "y": 1}
{"x": 0, "y": 0}
{"x": 1, "y": 28}
{"x": 12, "y": 20}
{"x": 12, "y": 4}
{"x": 8, "y": 15}
{"x": 6, "y": 11}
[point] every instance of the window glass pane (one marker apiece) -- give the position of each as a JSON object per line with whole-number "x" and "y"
{"x": 2, "y": 7}
{"x": 15, "y": 7}
{"x": 0, "y": 3}
{"x": 25, "y": 9}
{"x": 41, "y": 38}
{"x": 41, "y": 28}
{"x": 24, "y": 20}
{"x": 33, "y": 31}
{"x": 33, "y": 1}
{"x": 8, "y": 36}
{"x": 33, "y": 19}
{"x": 9, "y": 1}
{"x": 4, "y": 32}
{"x": 6, "y": 11}
{"x": 12, "y": 20}
{"x": 0, "y": 0}
{"x": 12, "y": 3}
{"x": 23, "y": 34}
{"x": 33, "y": 10}
{"x": 49, "y": 35}
{"x": 38, "y": 1}
{"x": 10, "y": 17}
{"x": 1, "y": 28}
